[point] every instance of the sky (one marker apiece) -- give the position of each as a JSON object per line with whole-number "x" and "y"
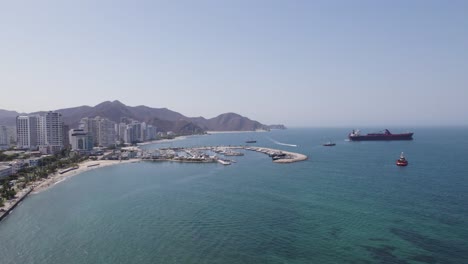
{"x": 299, "y": 63}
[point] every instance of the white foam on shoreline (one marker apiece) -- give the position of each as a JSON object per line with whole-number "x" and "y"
{"x": 280, "y": 143}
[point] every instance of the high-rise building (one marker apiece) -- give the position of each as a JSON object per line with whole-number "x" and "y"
{"x": 150, "y": 132}
{"x": 142, "y": 136}
{"x": 129, "y": 135}
{"x": 122, "y": 132}
{"x": 106, "y": 135}
{"x": 54, "y": 131}
{"x": 4, "y": 137}
{"x": 66, "y": 138}
{"x": 134, "y": 133}
{"x": 26, "y": 131}
{"x": 23, "y": 138}
{"x": 43, "y": 131}
{"x": 101, "y": 129}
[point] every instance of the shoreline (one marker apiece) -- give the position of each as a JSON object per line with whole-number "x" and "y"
{"x": 84, "y": 167}
{"x": 54, "y": 179}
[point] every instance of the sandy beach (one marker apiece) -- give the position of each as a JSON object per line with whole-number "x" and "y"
{"x": 84, "y": 166}
{"x": 56, "y": 178}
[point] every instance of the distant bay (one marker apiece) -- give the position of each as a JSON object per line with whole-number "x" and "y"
{"x": 346, "y": 204}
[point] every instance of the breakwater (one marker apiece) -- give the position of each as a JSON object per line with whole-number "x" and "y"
{"x": 278, "y": 156}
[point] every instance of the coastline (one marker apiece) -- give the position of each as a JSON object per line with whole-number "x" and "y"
{"x": 53, "y": 179}
{"x": 84, "y": 166}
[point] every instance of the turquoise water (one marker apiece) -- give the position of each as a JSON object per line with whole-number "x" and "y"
{"x": 346, "y": 204}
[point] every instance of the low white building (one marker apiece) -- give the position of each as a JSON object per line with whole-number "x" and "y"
{"x": 17, "y": 165}
{"x": 5, "y": 171}
{"x": 33, "y": 162}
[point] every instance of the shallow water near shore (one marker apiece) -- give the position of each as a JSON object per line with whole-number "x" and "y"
{"x": 346, "y": 204}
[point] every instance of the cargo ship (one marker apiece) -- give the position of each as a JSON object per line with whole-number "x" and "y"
{"x": 385, "y": 135}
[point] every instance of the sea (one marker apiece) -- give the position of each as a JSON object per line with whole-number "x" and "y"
{"x": 345, "y": 204}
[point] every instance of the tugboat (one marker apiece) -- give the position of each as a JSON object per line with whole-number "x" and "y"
{"x": 402, "y": 161}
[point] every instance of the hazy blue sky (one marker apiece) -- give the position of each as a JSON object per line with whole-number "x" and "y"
{"x": 301, "y": 63}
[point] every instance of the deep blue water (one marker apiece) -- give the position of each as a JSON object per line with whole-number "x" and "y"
{"x": 346, "y": 204}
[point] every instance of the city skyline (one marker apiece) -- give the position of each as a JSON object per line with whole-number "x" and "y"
{"x": 300, "y": 64}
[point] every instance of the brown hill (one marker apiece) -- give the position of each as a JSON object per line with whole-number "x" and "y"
{"x": 230, "y": 122}
{"x": 163, "y": 118}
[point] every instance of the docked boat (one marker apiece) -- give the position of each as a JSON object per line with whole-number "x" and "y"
{"x": 402, "y": 161}
{"x": 384, "y": 135}
{"x": 224, "y": 162}
{"x": 277, "y": 155}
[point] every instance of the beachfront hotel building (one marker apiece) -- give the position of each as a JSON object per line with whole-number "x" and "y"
{"x": 80, "y": 140}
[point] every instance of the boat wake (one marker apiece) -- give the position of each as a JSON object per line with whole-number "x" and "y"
{"x": 279, "y": 143}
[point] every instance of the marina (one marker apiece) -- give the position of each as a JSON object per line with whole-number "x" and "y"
{"x": 213, "y": 154}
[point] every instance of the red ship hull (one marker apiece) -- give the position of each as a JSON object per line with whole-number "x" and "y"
{"x": 401, "y": 163}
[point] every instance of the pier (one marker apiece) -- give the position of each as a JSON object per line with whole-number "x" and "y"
{"x": 280, "y": 156}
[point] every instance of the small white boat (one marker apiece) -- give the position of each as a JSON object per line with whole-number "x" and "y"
{"x": 224, "y": 162}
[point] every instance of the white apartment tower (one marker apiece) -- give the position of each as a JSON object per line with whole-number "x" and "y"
{"x": 26, "y": 132}
{"x": 40, "y": 131}
{"x": 54, "y": 131}
{"x": 106, "y": 135}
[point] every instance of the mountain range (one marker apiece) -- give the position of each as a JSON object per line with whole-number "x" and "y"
{"x": 163, "y": 118}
